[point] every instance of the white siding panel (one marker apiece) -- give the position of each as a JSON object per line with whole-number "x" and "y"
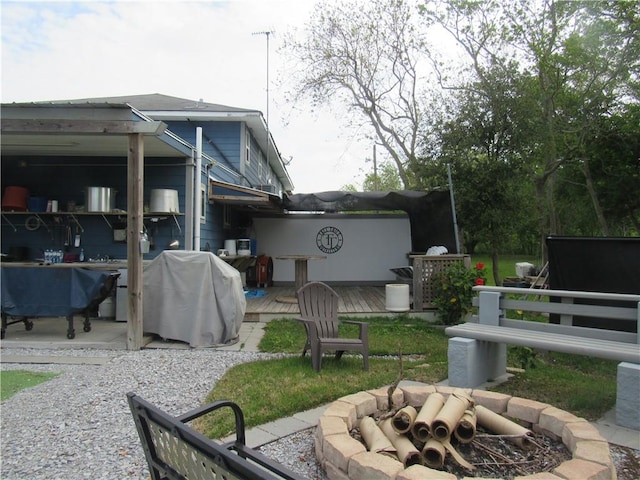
{"x": 371, "y": 246}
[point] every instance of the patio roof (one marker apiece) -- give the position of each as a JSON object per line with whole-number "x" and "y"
{"x": 87, "y": 130}
{"x": 243, "y": 197}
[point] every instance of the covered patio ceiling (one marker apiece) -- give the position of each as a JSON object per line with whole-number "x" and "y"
{"x": 94, "y": 132}
{"x": 76, "y": 145}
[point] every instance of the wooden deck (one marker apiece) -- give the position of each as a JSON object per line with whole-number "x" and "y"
{"x": 354, "y": 300}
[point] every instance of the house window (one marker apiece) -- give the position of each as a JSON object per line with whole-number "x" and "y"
{"x": 261, "y": 165}
{"x": 247, "y": 142}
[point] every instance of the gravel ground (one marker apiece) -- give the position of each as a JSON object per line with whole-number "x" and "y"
{"x": 297, "y": 453}
{"x": 79, "y": 426}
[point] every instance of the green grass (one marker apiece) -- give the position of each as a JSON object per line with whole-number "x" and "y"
{"x": 267, "y": 390}
{"x": 272, "y": 389}
{"x": 582, "y": 385}
{"x": 506, "y": 265}
{"x": 387, "y": 335}
{"x": 12, "y": 381}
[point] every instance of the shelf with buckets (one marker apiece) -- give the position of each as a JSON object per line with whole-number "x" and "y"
{"x": 239, "y": 254}
{"x": 236, "y": 247}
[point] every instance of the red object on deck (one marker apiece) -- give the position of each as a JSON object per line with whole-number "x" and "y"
{"x": 264, "y": 271}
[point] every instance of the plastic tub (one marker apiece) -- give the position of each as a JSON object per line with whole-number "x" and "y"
{"x": 15, "y": 199}
{"x": 37, "y": 204}
{"x": 397, "y": 297}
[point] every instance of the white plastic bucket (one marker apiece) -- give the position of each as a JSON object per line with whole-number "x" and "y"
{"x": 397, "y": 297}
{"x": 230, "y": 246}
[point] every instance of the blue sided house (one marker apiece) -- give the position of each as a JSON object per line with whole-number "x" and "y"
{"x": 65, "y": 176}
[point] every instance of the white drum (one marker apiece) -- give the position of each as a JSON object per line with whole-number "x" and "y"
{"x": 397, "y": 297}
{"x": 230, "y": 246}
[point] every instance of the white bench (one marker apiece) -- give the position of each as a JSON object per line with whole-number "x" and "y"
{"x": 477, "y": 349}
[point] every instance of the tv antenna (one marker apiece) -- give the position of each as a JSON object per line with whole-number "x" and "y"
{"x": 267, "y": 33}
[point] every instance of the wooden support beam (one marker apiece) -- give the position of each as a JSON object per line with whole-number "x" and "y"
{"x": 107, "y": 127}
{"x": 135, "y": 225}
{"x": 241, "y": 199}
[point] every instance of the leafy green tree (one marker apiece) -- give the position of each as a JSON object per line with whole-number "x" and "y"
{"x": 386, "y": 178}
{"x": 483, "y": 139}
{"x": 604, "y": 54}
{"x": 350, "y": 187}
{"x": 579, "y": 59}
{"x": 612, "y": 155}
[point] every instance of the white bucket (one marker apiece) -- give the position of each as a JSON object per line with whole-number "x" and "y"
{"x": 164, "y": 201}
{"x": 244, "y": 246}
{"x": 523, "y": 269}
{"x": 397, "y": 297}
{"x": 230, "y": 246}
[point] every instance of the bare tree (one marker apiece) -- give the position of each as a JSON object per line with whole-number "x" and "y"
{"x": 365, "y": 55}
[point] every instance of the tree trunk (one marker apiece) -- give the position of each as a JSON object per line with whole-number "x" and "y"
{"x": 604, "y": 227}
{"x": 543, "y": 229}
{"x": 495, "y": 266}
{"x": 554, "y": 224}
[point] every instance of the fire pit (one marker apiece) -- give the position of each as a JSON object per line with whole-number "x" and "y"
{"x": 344, "y": 456}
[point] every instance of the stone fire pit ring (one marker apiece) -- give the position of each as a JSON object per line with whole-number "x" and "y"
{"x": 344, "y": 457}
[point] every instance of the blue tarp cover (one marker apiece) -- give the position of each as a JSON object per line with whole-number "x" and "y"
{"x": 49, "y": 291}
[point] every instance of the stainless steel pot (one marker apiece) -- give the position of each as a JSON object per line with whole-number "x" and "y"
{"x": 164, "y": 200}
{"x": 100, "y": 199}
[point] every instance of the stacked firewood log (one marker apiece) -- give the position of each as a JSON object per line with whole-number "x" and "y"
{"x": 424, "y": 436}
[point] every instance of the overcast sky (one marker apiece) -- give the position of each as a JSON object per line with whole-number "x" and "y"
{"x": 190, "y": 49}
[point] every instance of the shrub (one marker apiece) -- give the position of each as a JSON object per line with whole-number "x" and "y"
{"x": 453, "y": 290}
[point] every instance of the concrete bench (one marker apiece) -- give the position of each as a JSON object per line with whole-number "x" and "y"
{"x": 175, "y": 451}
{"x": 477, "y": 349}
